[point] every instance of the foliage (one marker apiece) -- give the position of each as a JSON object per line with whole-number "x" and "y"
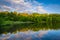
{"x": 15, "y": 20}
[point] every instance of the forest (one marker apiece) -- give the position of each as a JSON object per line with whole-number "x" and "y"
{"x": 18, "y": 21}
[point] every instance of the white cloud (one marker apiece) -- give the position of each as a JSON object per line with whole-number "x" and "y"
{"x": 41, "y": 33}
{"x": 40, "y": 9}
{"x": 5, "y": 8}
{"x": 18, "y": 1}
{"x": 28, "y": 6}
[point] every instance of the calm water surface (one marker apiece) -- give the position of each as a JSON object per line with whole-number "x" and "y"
{"x": 32, "y": 35}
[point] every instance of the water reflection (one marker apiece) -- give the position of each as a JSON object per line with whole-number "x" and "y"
{"x": 31, "y": 35}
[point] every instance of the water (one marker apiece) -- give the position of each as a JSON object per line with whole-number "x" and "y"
{"x": 32, "y": 35}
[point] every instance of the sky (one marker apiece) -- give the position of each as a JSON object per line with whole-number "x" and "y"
{"x": 40, "y": 6}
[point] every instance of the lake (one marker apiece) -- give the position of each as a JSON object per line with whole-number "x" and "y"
{"x": 32, "y": 35}
{"x": 27, "y": 31}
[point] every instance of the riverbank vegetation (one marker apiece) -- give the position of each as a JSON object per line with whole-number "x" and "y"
{"x": 10, "y": 21}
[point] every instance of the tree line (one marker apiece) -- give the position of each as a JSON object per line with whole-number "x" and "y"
{"x": 9, "y": 20}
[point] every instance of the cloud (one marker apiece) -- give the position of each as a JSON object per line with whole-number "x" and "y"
{"x": 40, "y": 9}
{"x": 18, "y": 1}
{"x": 5, "y": 8}
{"x": 24, "y": 5}
{"x": 42, "y": 33}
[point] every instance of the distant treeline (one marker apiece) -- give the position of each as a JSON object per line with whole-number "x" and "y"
{"x": 11, "y": 20}
{"x": 33, "y": 17}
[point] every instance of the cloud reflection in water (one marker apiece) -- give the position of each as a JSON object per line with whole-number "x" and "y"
{"x": 31, "y": 35}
